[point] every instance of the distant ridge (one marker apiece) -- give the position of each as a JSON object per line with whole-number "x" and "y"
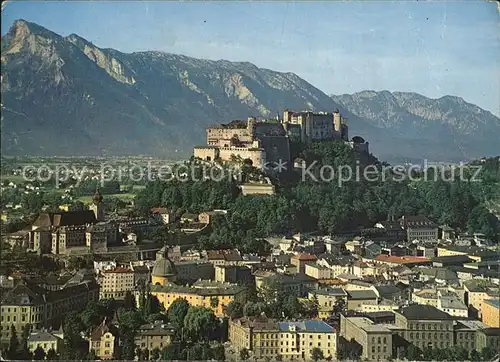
{"x": 65, "y": 96}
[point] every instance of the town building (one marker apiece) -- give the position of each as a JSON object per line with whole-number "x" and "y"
{"x": 300, "y": 260}
{"x": 189, "y": 271}
{"x": 298, "y": 339}
{"x": 419, "y": 228}
{"x": 115, "y": 283}
{"x": 104, "y": 340}
{"x": 30, "y": 304}
{"x": 327, "y": 299}
{"x": 154, "y": 335}
{"x": 162, "y": 215}
{"x": 240, "y": 274}
{"x": 490, "y": 313}
{"x": 65, "y": 231}
{"x": 45, "y": 340}
{"x": 295, "y": 284}
{"x": 474, "y": 253}
{"x": 425, "y": 326}
{"x": 375, "y": 339}
{"x": 209, "y": 294}
{"x": 258, "y": 335}
{"x": 266, "y": 338}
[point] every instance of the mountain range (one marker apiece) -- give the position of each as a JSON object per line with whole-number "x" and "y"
{"x": 65, "y": 96}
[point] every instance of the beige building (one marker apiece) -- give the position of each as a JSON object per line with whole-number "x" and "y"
{"x": 318, "y": 272}
{"x": 116, "y": 282}
{"x": 425, "y": 326}
{"x": 299, "y": 339}
{"x": 154, "y": 335}
{"x": 31, "y": 304}
{"x": 104, "y": 341}
{"x": 258, "y": 335}
{"x": 375, "y": 339}
{"x": 45, "y": 340}
{"x": 254, "y": 188}
{"x": 266, "y": 338}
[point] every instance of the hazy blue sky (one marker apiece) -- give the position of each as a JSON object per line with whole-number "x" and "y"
{"x": 433, "y": 48}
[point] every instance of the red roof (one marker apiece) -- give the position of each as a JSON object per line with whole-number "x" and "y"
{"x": 305, "y": 257}
{"x": 401, "y": 259}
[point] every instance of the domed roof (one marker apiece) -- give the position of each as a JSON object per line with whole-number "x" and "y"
{"x": 164, "y": 267}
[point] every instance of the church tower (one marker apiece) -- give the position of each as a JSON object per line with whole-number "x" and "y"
{"x": 98, "y": 206}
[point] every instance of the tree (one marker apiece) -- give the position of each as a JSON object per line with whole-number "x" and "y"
{"x": 244, "y": 354}
{"x": 234, "y": 309}
{"x": 51, "y": 354}
{"x": 317, "y": 354}
{"x": 92, "y": 356}
{"x": 72, "y": 326}
{"x": 200, "y": 324}
{"x": 291, "y": 307}
{"x": 129, "y": 302}
{"x": 91, "y": 316}
{"x": 488, "y": 353}
{"x": 176, "y": 314}
{"x": 77, "y": 206}
{"x": 151, "y": 305}
{"x": 413, "y": 353}
{"x": 38, "y": 354}
{"x": 218, "y": 352}
{"x": 474, "y": 355}
{"x": 13, "y": 343}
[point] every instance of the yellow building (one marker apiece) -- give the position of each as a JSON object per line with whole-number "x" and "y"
{"x": 116, "y": 282}
{"x": 375, "y": 339}
{"x": 475, "y": 253}
{"x": 30, "y": 304}
{"x": 327, "y": 299}
{"x": 490, "y": 315}
{"x": 104, "y": 340}
{"x": 476, "y": 292}
{"x": 45, "y": 340}
{"x": 258, "y": 335}
{"x": 266, "y": 338}
{"x": 213, "y": 295}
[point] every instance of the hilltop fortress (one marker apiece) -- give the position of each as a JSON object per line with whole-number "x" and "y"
{"x": 267, "y": 141}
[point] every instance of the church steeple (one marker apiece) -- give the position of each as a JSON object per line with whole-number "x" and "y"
{"x": 97, "y": 205}
{"x": 97, "y": 198}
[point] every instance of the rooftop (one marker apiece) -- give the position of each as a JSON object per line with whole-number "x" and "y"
{"x": 493, "y": 302}
{"x": 368, "y": 325}
{"x": 402, "y": 259}
{"x": 423, "y": 312}
{"x": 306, "y": 326}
